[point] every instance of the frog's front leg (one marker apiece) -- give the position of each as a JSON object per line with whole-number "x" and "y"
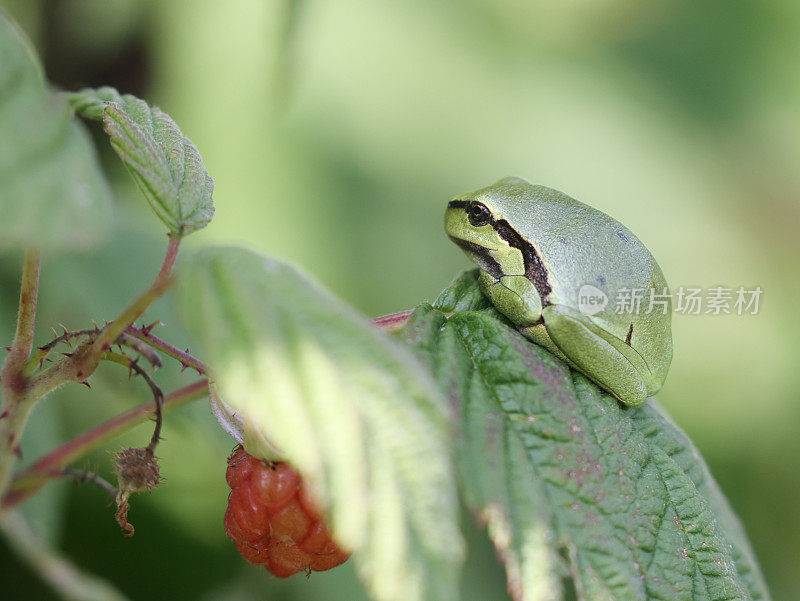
{"x": 514, "y": 296}
{"x": 599, "y": 354}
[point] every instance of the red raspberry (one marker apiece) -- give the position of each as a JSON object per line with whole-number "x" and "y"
{"x": 272, "y": 521}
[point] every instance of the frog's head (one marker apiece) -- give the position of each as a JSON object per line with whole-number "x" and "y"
{"x": 476, "y": 221}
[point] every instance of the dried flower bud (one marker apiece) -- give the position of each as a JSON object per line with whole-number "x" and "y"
{"x": 137, "y": 470}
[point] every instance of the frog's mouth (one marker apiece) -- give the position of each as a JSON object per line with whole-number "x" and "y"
{"x": 481, "y": 256}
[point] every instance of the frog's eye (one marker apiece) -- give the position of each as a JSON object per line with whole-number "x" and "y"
{"x": 478, "y": 214}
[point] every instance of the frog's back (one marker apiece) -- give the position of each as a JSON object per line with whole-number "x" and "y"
{"x": 575, "y": 240}
{"x": 580, "y": 246}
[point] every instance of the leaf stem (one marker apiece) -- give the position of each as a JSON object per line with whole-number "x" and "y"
{"x": 89, "y": 360}
{"x": 30, "y": 480}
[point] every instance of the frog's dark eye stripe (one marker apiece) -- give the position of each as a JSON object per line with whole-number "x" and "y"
{"x": 535, "y": 270}
{"x": 481, "y": 256}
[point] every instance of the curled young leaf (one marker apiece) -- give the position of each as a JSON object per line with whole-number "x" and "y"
{"x": 165, "y": 164}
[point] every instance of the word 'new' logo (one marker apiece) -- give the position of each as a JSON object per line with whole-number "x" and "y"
{"x": 591, "y": 300}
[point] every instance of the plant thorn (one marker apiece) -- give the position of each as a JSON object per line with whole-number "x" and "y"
{"x": 147, "y": 329}
{"x": 134, "y": 363}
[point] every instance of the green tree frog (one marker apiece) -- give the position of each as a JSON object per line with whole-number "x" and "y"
{"x": 572, "y": 280}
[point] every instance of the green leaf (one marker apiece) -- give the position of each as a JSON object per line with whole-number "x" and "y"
{"x": 52, "y": 192}
{"x": 463, "y": 294}
{"x": 165, "y": 164}
{"x": 354, "y": 411}
{"x": 570, "y": 482}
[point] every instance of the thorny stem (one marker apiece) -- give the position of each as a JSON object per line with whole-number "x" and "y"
{"x": 41, "y": 354}
{"x": 26, "y": 319}
{"x": 187, "y": 360}
{"x": 88, "y": 362}
{"x": 58, "y": 374}
{"x": 37, "y": 359}
{"x": 158, "y": 396}
{"x": 17, "y": 403}
{"x": 150, "y": 355}
{"x": 87, "y": 476}
{"x": 30, "y": 480}
{"x": 21, "y": 390}
{"x": 65, "y": 338}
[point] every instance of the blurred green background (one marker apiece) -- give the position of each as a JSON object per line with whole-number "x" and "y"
{"x": 336, "y": 130}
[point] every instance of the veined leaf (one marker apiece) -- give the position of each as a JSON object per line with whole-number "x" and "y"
{"x": 53, "y": 194}
{"x": 351, "y": 409}
{"x": 571, "y": 483}
{"x": 165, "y": 164}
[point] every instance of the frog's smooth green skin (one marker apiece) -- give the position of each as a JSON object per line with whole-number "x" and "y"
{"x": 537, "y": 249}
